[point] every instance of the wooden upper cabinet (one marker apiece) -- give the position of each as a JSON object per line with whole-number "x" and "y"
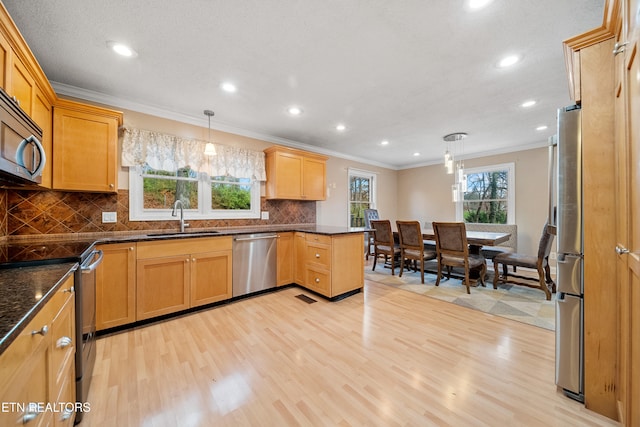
{"x": 22, "y": 85}
{"x": 85, "y": 147}
{"x": 295, "y": 174}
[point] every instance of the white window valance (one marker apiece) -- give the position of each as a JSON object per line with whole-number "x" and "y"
{"x": 169, "y": 152}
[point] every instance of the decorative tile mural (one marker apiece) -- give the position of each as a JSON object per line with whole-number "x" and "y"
{"x": 55, "y": 212}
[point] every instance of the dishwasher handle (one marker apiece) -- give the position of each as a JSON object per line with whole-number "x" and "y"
{"x": 248, "y": 239}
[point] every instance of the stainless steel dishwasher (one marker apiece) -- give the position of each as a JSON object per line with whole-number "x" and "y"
{"x": 254, "y": 263}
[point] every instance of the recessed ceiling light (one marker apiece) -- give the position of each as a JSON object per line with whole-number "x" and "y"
{"x": 529, "y": 103}
{"x": 508, "y": 61}
{"x": 294, "y": 111}
{"x": 478, "y": 4}
{"x": 385, "y": 142}
{"x": 340, "y": 127}
{"x": 122, "y": 49}
{"x": 543, "y": 127}
{"x": 416, "y": 154}
{"x": 228, "y": 87}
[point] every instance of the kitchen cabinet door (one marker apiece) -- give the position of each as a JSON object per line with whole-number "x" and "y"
{"x": 162, "y": 285}
{"x": 285, "y": 253}
{"x": 43, "y": 116}
{"x": 85, "y": 147}
{"x": 210, "y": 277}
{"x": 21, "y": 84}
{"x": 300, "y": 258}
{"x": 294, "y": 174}
{"x": 5, "y": 54}
{"x": 313, "y": 179}
{"x": 116, "y": 286}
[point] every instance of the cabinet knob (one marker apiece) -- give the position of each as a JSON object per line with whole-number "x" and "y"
{"x": 66, "y": 415}
{"x": 131, "y": 248}
{"x": 317, "y": 280}
{"x": 621, "y": 250}
{"x": 63, "y": 342}
{"x": 317, "y": 255}
{"x": 29, "y": 416}
{"x": 619, "y": 48}
{"x": 111, "y": 186}
{"x": 70, "y": 290}
{"x": 43, "y": 331}
{"x": 187, "y": 260}
{"x": 193, "y": 259}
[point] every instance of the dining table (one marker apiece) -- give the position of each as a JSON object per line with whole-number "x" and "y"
{"x": 475, "y": 239}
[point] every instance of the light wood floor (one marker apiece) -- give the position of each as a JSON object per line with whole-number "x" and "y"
{"x": 383, "y": 357}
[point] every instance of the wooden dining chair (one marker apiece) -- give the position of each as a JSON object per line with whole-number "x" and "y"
{"x": 383, "y": 244}
{"x": 539, "y": 263}
{"x": 369, "y": 214}
{"x": 453, "y": 251}
{"x": 412, "y": 246}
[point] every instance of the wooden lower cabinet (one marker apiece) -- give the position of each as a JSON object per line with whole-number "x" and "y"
{"x": 116, "y": 286}
{"x": 299, "y": 258}
{"x": 285, "y": 252}
{"x": 39, "y": 368}
{"x": 211, "y": 276}
{"x": 174, "y": 275}
{"x": 333, "y": 265}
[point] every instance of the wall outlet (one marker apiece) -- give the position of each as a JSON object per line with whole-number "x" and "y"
{"x": 264, "y": 215}
{"x": 109, "y": 217}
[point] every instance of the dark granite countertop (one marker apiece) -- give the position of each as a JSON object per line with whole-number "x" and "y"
{"x": 195, "y": 233}
{"x": 23, "y": 292}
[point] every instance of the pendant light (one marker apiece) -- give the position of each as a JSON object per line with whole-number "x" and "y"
{"x": 460, "y": 179}
{"x": 209, "y": 149}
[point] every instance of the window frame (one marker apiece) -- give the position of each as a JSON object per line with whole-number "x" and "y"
{"x": 372, "y": 176}
{"x": 137, "y": 212}
{"x": 511, "y": 194}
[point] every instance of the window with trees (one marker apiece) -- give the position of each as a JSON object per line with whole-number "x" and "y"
{"x": 490, "y": 195}
{"x": 153, "y": 193}
{"x": 361, "y": 195}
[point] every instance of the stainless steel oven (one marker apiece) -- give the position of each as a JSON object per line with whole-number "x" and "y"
{"x": 85, "y": 285}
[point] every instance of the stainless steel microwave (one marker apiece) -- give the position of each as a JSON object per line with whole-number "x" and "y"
{"x": 22, "y": 156}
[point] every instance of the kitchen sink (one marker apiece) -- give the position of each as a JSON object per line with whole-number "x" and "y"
{"x": 182, "y": 233}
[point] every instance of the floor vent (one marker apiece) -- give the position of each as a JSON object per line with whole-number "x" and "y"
{"x": 306, "y": 299}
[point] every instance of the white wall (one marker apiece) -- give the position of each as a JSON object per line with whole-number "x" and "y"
{"x": 335, "y": 210}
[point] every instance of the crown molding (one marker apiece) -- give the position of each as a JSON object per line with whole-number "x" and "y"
{"x": 113, "y": 101}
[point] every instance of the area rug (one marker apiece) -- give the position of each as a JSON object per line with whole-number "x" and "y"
{"x": 514, "y": 302}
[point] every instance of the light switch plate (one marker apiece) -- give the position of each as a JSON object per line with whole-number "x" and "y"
{"x": 109, "y": 217}
{"x": 264, "y": 215}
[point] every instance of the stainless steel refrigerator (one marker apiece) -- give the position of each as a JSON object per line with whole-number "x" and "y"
{"x": 569, "y": 267}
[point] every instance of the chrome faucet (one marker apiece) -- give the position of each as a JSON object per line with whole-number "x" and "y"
{"x": 176, "y": 205}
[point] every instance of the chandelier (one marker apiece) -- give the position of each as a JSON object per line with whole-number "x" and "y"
{"x": 455, "y": 145}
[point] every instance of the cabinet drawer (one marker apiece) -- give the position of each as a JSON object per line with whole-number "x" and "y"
{"x": 319, "y": 255}
{"x": 318, "y": 238}
{"x": 319, "y": 280}
{"x": 173, "y": 247}
{"x": 63, "y": 342}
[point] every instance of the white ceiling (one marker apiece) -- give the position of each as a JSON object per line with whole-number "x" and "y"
{"x": 406, "y": 71}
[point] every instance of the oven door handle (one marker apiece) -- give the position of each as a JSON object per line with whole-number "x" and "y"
{"x": 89, "y": 268}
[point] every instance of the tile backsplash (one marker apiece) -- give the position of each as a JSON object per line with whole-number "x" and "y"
{"x": 55, "y": 212}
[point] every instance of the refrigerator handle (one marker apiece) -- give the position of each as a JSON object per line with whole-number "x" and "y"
{"x": 553, "y": 142}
